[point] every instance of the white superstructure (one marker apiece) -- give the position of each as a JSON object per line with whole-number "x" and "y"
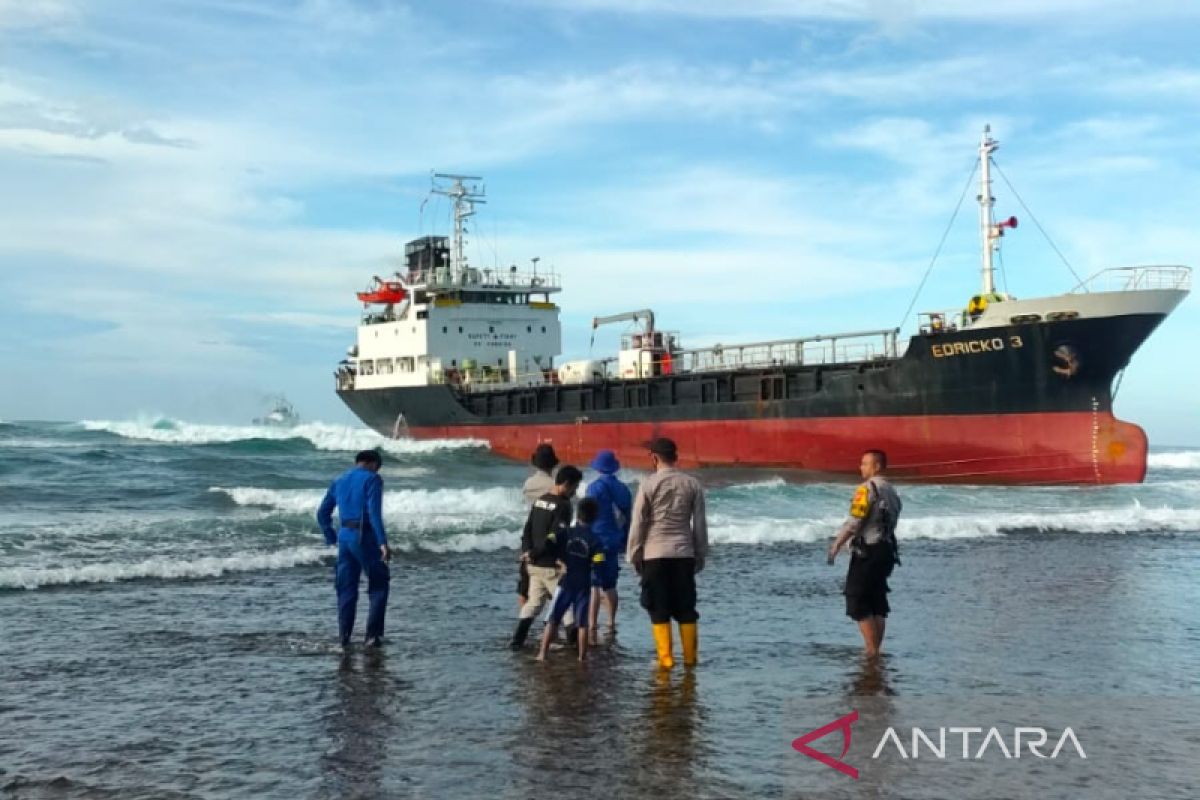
{"x": 446, "y": 321}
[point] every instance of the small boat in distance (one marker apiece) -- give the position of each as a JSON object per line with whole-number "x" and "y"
{"x": 281, "y": 415}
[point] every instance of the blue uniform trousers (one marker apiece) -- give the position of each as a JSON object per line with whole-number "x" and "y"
{"x": 353, "y": 559}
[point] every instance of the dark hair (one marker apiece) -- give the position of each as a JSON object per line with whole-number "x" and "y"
{"x": 879, "y": 456}
{"x": 664, "y": 448}
{"x": 369, "y": 457}
{"x": 588, "y": 510}
{"x": 568, "y": 474}
{"x": 544, "y": 458}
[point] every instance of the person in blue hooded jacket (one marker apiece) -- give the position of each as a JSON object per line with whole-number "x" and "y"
{"x": 612, "y": 530}
{"x": 361, "y": 541}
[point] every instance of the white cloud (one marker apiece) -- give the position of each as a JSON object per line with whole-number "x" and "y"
{"x": 29, "y": 14}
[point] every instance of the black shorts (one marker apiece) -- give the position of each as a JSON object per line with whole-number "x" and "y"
{"x": 669, "y": 589}
{"x": 866, "y": 583}
{"x": 523, "y": 581}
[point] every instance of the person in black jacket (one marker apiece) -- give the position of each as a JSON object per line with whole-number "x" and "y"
{"x": 549, "y": 517}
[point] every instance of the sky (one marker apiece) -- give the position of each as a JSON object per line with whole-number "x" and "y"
{"x": 193, "y": 190}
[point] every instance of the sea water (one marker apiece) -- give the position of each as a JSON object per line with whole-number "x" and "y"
{"x": 167, "y": 623}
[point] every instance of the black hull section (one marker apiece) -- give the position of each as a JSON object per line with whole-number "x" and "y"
{"x": 1047, "y": 367}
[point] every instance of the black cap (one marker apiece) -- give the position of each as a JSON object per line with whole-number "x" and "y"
{"x": 544, "y": 457}
{"x": 664, "y": 447}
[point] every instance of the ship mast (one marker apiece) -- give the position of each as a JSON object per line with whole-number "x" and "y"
{"x": 465, "y": 198}
{"x": 987, "y": 227}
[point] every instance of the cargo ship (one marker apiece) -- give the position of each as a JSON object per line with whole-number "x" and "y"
{"x": 1000, "y": 391}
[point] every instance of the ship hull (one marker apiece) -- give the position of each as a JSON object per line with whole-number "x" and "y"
{"x": 999, "y": 407}
{"x": 1056, "y": 448}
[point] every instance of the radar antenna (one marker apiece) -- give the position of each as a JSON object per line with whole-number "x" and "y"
{"x": 466, "y": 192}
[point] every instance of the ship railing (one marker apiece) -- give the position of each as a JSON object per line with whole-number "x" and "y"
{"x": 345, "y": 380}
{"x": 485, "y": 378}
{"x": 839, "y": 348}
{"x": 1138, "y": 279}
{"x": 372, "y": 316}
{"x": 487, "y": 278}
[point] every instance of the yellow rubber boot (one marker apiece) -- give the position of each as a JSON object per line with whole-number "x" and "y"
{"x": 689, "y": 636}
{"x": 662, "y": 641}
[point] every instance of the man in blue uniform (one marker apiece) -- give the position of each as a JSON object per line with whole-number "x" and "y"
{"x": 361, "y": 541}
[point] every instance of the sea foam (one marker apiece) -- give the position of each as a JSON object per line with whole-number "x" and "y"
{"x": 160, "y": 567}
{"x": 1183, "y": 459}
{"x": 322, "y": 436}
{"x": 397, "y": 503}
{"x": 432, "y": 534}
{"x": 1121, "y": 520}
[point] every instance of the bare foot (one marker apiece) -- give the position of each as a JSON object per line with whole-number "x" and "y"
{"x": 540, "y": 657}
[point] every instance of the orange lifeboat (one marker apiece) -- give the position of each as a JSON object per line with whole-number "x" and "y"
{"x": 388, "y": 292}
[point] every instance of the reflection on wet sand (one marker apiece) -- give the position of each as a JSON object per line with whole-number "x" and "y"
{"x": 570, "y": 732}
{"x": 668, "y": 739}
{"x": 357, "y": 726}
{"x": 588, "y": 730}
{"x": 870, "y": 692}
{"x": 871, "y": 677}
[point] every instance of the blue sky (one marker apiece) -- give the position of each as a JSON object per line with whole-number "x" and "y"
{"x": 193, "y": 189}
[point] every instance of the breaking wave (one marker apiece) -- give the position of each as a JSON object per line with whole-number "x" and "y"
{"x": 1125, "y": 520}
{"x": 398, "y": 504}
{"x": 1185, "y": 459}
{"x": 419, "y": 510}
{"x": 484, "y": 538}
{"x": 159, "y": 567}
{"x": 320, "y": 435}
{"x": 775, "y": 482}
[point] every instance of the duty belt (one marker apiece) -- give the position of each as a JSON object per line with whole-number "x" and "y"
{"x": 352, "y": 524}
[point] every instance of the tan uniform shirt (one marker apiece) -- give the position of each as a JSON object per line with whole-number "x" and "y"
{"x": 874, "y": 499}
{"x": 536, "y": 485}
{"x": 668, "y": 519}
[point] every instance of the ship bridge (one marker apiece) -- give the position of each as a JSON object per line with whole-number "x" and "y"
{"x": 449, "y": 321}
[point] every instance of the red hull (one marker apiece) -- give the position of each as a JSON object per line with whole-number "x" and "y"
{"x": 1041, "y": 448}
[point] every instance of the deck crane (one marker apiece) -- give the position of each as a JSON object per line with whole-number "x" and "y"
{"x": 648, "y": 352}
{"x": 645, "y": 315}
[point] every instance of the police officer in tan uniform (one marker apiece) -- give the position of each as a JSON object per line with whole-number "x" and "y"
{"x": 668, "y": 545}
{"x": 870, "y": 532}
